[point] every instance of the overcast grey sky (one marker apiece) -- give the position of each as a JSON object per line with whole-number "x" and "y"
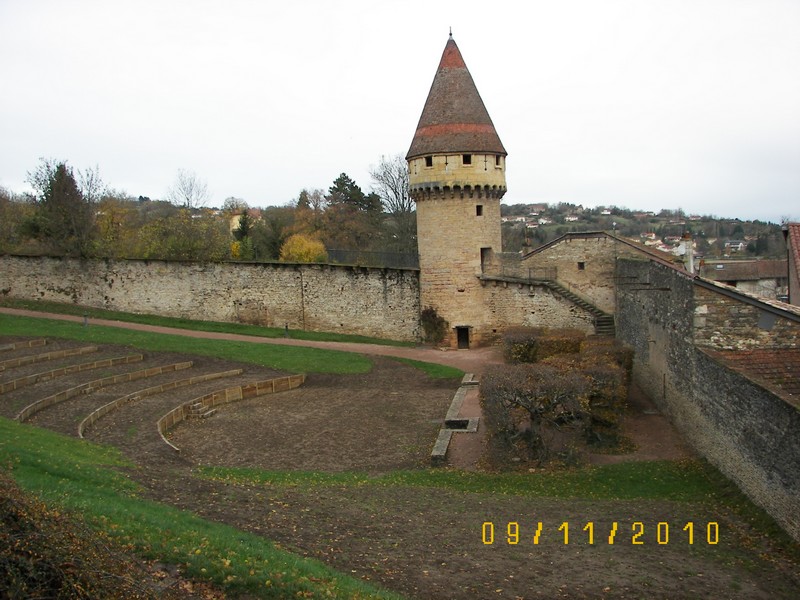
{"x": 645, "y": 104}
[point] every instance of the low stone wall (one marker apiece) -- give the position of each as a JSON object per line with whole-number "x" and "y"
{"x": 232, "y": 394}
{"x": 26, "y": 344}
{"x": 453, "y": 423}
{"x": 96, "y": 415}
{"x": 86, "y": 388}
{"x": 358, "y": 300}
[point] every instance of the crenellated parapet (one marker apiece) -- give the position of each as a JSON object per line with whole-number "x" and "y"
{"x": 422, "y": 193}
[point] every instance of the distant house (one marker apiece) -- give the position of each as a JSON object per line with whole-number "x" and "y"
{"x": 764, "y": 278}
{"x": 735, "y": 246}
{"x": 605, "y": 212}
{"x": 571, "y": 218}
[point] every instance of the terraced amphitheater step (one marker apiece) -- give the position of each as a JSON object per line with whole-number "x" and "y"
{"x": 24, "y": 344}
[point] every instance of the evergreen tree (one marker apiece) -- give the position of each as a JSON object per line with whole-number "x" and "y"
{"x": 64, "y": 219}
{"x": 353, "y": 220}
{"x": 245, "y": 226}
{"x": 345, "y": 191}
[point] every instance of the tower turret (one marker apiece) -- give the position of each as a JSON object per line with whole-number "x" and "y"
{"x": 456, "y": 166}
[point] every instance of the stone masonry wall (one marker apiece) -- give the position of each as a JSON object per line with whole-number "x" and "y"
{"x": 515, "y": 304}
{"x": 358, "y": 300}
{"x": 451, "y": 231}
{"x": 583, "y": 263}
{"x": 726, "y": 322}
{"x": 749, "y": 433}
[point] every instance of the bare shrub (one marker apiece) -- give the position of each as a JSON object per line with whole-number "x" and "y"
{"x": 548, "y": 397}
{"x": 561, "y": 402}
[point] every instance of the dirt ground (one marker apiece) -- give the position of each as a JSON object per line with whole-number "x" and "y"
{"x": 423, "y": 542}
{"x": 378, "y": 422}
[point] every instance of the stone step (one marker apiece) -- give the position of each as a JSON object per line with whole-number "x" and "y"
{"x": 198, "y": 410}
{"x": 469, "y": 379}
{"x": 604, "y": 325}
{"x": 204, "y": 414}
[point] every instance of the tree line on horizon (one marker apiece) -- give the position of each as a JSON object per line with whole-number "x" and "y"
{"x": 73, "y": 212}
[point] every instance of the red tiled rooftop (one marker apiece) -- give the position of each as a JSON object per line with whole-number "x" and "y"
{"x": 744, "y": 270}
{"x": 454, "y": 118}
{"x": 777, "y": 369}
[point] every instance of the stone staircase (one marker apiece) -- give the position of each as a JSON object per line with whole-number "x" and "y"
{"x": 603, "y": 322}
{"x": 198, "y": 410}
{"x": 604, "y": 325}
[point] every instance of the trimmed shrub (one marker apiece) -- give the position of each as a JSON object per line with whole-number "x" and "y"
{"x": 533, "y": 344}
{"x": 603, "y": 349}
{"x": 607, "y": 363}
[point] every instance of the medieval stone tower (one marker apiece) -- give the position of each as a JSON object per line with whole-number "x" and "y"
{"x": 457, "y": 166}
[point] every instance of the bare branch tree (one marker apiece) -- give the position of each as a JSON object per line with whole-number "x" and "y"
{"x": 92, "y": 186}
{"x": 188, "y": 190}
{"x": 390, "y": 182}
{"x": 234, "y": 206}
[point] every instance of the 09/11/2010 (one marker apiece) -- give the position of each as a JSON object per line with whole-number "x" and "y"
{"x": 616, "y": 534}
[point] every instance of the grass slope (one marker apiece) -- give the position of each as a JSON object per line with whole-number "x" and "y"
{"x": 78, "y": 476}
{"x": 296, "y": 359}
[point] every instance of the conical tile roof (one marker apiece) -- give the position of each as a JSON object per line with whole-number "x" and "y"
{"x": 454, "y": 119}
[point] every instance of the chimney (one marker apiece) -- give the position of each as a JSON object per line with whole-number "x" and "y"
{"x": 688, "y": 252}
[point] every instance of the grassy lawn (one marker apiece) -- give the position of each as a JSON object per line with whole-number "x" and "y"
{"x": 689, "y": 480}
{"x": 295, "y": 359}
{"x": 79, "y": 477}
{"x": 82, "y": 478}
{"x": 684, "y": 481}
{"x": 212, "y": 326}
{"x": 433, "y": 370}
